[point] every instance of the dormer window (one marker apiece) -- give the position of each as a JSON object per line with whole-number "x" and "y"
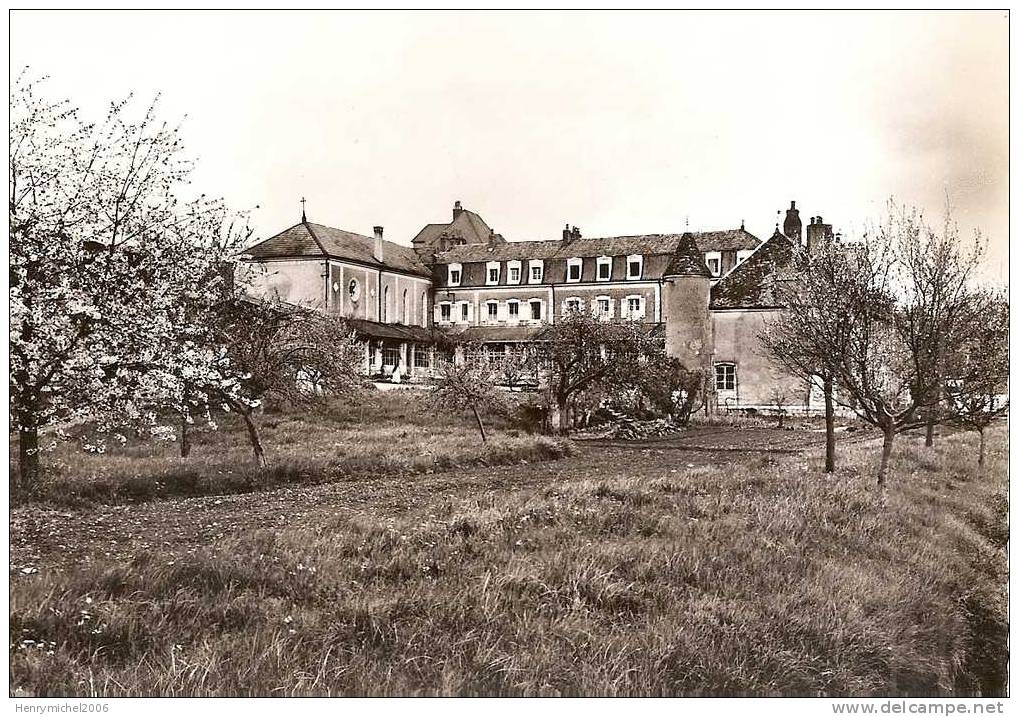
{"x": 604, "y": 268}
{"x": 743, "y": 254}
{"x": 513, "y": 272}
{"x": 574, "y": 269}
{"x": 634, "y": 266}
{"x": 455, "y": 272}
{"x": 714, "y": 261}
{"x": 536, "y": 269}
{"x": 492, "y": 272}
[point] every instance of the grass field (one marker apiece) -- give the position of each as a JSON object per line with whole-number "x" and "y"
{"x": 658, "y": 569}
{"x": 406, "y": 437}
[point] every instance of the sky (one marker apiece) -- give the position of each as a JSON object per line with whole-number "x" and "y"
{"x": 618, "y": 123}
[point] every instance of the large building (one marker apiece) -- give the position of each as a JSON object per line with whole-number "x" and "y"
{"x": 708, "y": 294}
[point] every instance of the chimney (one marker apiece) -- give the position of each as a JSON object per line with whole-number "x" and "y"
{"x": 793, "y": 227}
{"x": 566, "y": 232}
{"x": 377, "y": 253}
{"x": 818, "y": 231}
{"x": 457, "y": 209}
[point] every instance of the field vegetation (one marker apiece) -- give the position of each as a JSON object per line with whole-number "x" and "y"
{"x": 379, "y": 433}
{"x": 625, "y": 572}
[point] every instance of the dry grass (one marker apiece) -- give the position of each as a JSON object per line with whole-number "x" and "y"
{"x": 386, "y": 433}
{"x": 762, "y": 579}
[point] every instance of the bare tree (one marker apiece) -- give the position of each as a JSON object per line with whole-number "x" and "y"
{"x": 814, "y": 330}
{"x": 580, "y": 352}
{"x": 976, "y": 370}
{"x": 289, "y": 354}
{"x": 668, "y": 385}
{"x": 937, "y": 301}
{"x": 779, "y": 398}
{"x": 468, "y": 386}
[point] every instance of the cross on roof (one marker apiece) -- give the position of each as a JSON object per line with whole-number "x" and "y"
{"x": 304, "y": 217}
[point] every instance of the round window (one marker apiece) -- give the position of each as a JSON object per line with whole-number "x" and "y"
{"x": 354, "y": 289}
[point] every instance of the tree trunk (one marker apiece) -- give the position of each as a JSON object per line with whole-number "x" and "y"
{"x": 886, "y": 455}
{"x": 28, "y": 456}
{"x": 929, "y": 436}
{"x": 829, "y": 426}
{"x": 983, "y": 448}
{"x": 256, "y": 443}
{"x": 481, "y": 426}
{"x": 557, "y": 416}
{"x": 185, "y": 438}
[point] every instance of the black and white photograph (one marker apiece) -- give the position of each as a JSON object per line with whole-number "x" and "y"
{"x": 509, "y": 354}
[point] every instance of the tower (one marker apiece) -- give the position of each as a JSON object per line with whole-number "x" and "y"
{"x": 686, "y": 292}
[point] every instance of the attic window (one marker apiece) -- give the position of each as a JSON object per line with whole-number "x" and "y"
{"x": 604, "y": 268}
{"x": 492, "y": 272}
{"x": 455, "y": 272}
{"x": 574, "y": 268}
{"x": 714, "y": 261}
{"x": 537, "y": 268}
{"x": 634, "y": 266}
{"x": 513, "y": 271}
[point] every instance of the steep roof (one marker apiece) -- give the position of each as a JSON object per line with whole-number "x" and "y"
{"x": 687, "y": 259}
{"x": 644, "y": 244}
{"x": 756, "y": 282}
{"x": 307, "y": 239}
{"x": 466, "y": 225}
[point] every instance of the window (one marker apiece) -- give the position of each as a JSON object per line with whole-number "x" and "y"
{"x": 405, "y": 317}
{"x": 714, "y": 261}
{"x": 424, "y": 308}
{"x": 604, "y": 268}
{"x": 390, "y": 355}
{"x": 742, "y": 255}
{"x": 422, "y": 357}
{"x": 492, "y": 274}
{"x": 385, "y": 305}
{"x": 537, "y": 268}
{"x": 493, "y": 309}
{"x": 444, "y": 311}
{"x": 635, "y": 307}
{"x": 513, "y": 268}
{"x": 572, "y": 304}
{"x": 603, "y": 307}
{"x": 725, "y": 377}
{"x": 574, "y": 269}
{"x": 455, "y": 272}
{"x": 536, "y": 310}
{"x": 464, "y": 311}
{"x": 514, "y": 308}
{"x": 634, "y": 266}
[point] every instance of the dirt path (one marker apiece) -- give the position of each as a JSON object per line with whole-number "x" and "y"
{"x": 47, "y": 538}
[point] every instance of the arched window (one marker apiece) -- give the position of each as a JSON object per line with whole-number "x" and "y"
{"x": 424, "y": 309}
{"x": 385, "y": 305}
{"x": 404, "y": 317}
